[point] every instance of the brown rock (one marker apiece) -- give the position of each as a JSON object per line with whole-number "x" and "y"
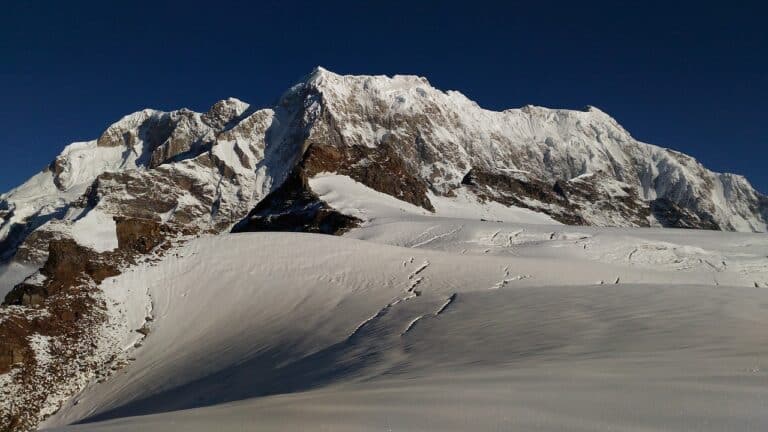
{"x": 68, "y": 265}
{"x": 11, "y": 354}
{"x": 294, "y": 207}
{"x": 138, "y": 235}
{"x": 381, "y": 169}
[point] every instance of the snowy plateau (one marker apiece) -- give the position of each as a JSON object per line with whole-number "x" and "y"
{"x": 375, "y": 254}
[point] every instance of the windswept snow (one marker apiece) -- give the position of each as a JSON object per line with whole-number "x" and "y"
{"x": 434, "y": 323}
{"x": 95, "y": 230}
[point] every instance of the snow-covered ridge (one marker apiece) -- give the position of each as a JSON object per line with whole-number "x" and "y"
{"x": 444, "y": 133}
{"x": 439, "y": 135}
{"x": 172, "y": 166}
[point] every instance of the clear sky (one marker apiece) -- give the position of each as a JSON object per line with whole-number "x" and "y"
{"x": 692, "y": 76}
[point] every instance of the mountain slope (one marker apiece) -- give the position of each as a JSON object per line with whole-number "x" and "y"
{"x": 519, "y": 155}
{"x": 397, "y": 135}
{"x": 319, "y": 332}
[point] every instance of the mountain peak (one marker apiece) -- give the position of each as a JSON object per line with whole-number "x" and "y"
{"x": 320, "y": 70}
{"x": 319, "y": 74}
{"x": 431, "y": 138}
{"x": 224, "y": 111}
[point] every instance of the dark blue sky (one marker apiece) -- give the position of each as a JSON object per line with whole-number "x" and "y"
{"x": 686, "y": 75}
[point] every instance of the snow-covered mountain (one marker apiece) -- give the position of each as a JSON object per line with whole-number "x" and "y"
{"x": 334, "y": 154}
{"x": 579, "y": 166}
{"x": 397, "y": 135}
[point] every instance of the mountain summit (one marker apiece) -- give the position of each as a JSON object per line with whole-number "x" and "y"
{"x": 397, "y": 135}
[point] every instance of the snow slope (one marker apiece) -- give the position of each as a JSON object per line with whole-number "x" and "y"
{"x": 562, "y": 365}
{"x": 436, "y": 323}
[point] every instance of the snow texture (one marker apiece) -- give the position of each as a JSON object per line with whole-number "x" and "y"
{"x": 480, "y": 324}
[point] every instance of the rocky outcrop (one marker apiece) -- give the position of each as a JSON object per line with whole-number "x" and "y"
{"x": 138, "y": 235}
{"x": 294, "y": 207}
{"x": 149, "y": 126}
{"x": 34, "y": 249}
{"x": 69, "y": 324}
{"x": 579, "y": 201}
{"x": 669, "y": 214}
{"x": 189, "y": 138}
{"x": 61, "y": 304}
{"x": 68, "y": 265}
{"x": 6, "y": 210}
{"x": 381, "y": 169}
{"x": 225, "y": 114}
{"x": 515, "y": 189}
{"x": 11, "y": 353}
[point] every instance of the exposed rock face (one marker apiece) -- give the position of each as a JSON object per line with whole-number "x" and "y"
{"x": 70, "y": 326}
{"x": 11, "y": 353}
{"x": 224, "y": 114}
{"x": 68, "y": 265}
{"x": 294, "y": 207}
{"x": 144, "y": 126}
{"x": 670, "y": 214}
{"x": 139, "y": 235}
{"x": 60, "y": 305}
{"x": 515, "y": 189}
{"x": 5, "y": 210}
{"x": 34, "y": 249}
{"x": 381, "y": 170}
